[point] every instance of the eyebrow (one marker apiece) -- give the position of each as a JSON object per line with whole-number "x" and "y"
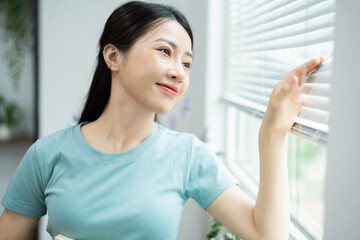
{"x": 172, "y": 44}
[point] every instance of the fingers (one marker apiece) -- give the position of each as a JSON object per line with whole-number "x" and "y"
{"x": 303, "y": 70}
{"x": 308, "y": 66}
{"x": 296, "y": 77}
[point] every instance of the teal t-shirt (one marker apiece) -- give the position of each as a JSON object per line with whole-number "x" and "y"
{"x": 135, "y": 194}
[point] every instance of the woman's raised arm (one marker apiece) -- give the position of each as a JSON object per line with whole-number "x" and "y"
{"x": 269, "y": 217}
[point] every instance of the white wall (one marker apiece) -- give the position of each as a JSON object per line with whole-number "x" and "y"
{"x": 343, "y": 178}
{"x": 69, "y": 33}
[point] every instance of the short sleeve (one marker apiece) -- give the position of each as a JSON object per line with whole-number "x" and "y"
{"x": 208, "y": 176}
{"x": 25, "y": 193}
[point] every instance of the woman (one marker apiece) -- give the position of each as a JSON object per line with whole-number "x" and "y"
{"x": 120, "y": 175}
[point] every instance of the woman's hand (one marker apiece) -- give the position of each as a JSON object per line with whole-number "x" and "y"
{"x": 285, "y": 100}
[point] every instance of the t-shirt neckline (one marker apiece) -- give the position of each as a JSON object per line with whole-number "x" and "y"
{"x": 106, "y": 158}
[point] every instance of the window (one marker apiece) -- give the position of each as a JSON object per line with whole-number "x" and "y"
{"x": 264, "y": 41}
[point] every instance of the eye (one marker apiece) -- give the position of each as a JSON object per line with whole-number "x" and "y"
{"x": 187, "y": 65}
{"x": 165, "y": 50}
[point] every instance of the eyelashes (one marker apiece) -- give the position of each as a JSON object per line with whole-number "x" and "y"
{"x": 187, "y": 65}
{"x": 168, "y": 52}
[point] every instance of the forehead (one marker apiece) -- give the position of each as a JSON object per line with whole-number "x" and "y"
{"x": 170, "y": 30}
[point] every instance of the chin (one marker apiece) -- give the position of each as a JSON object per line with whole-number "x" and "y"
{"x": 163, "y": 110}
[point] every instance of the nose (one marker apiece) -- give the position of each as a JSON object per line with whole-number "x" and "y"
{"x": 176, "y": 72}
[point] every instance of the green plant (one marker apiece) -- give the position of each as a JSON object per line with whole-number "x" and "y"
{"x": 18, "y": 34}
{"x": 10, "y": 113}
{"x": 215, "y": 230}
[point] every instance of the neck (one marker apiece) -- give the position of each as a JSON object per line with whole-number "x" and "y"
{"x": 123, "y": 125}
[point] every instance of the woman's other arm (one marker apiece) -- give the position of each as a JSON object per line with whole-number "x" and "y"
{"x": 15, "y": 226}
{"x": 269, "y": 217}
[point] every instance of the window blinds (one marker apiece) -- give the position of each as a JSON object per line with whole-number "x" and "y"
{"x": 266, "y": 40}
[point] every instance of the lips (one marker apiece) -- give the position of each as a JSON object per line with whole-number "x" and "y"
{"x": 172, "y": 87}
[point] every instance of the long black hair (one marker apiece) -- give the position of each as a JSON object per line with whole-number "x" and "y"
{"x": 124, "y": 26}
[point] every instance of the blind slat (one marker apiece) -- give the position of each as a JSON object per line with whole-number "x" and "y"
{"x": 317, "y": 89}
{"x": 264, "y": 85}
{"x": 252, "y": 5}
{"x": 311, "y": 101}
{"x": 241, "y": 87}
{"x": 266, "y": 64}
{"x": 319, "y": 36}
{"x": 255, "y": 80}
{"x": 316, "y": 102}
{"x": 259, "y": 109}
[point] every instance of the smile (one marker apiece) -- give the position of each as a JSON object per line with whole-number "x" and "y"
{"x": 168, "y": 90}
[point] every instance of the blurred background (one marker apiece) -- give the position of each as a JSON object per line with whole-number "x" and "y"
{"x": 241, "y": 50}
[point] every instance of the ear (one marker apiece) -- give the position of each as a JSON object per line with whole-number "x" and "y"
{"x": 112, "y": 57}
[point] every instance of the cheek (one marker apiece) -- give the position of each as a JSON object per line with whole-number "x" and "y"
{"x": 142, "y": 71}
{"x": 183, "y": 89}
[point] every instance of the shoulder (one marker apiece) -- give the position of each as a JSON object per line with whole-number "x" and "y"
{"x": 52, "y": 150}
{"x": 55, "y": 141}
{"x": 173, "y": 135}
{"x": 182, "y": 140}
{"x": 174, "y": 141}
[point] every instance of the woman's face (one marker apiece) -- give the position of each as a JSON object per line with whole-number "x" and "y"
{"x": 161, "y": 57}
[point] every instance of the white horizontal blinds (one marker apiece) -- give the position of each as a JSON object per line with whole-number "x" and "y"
{"x": 265, "y": 41}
